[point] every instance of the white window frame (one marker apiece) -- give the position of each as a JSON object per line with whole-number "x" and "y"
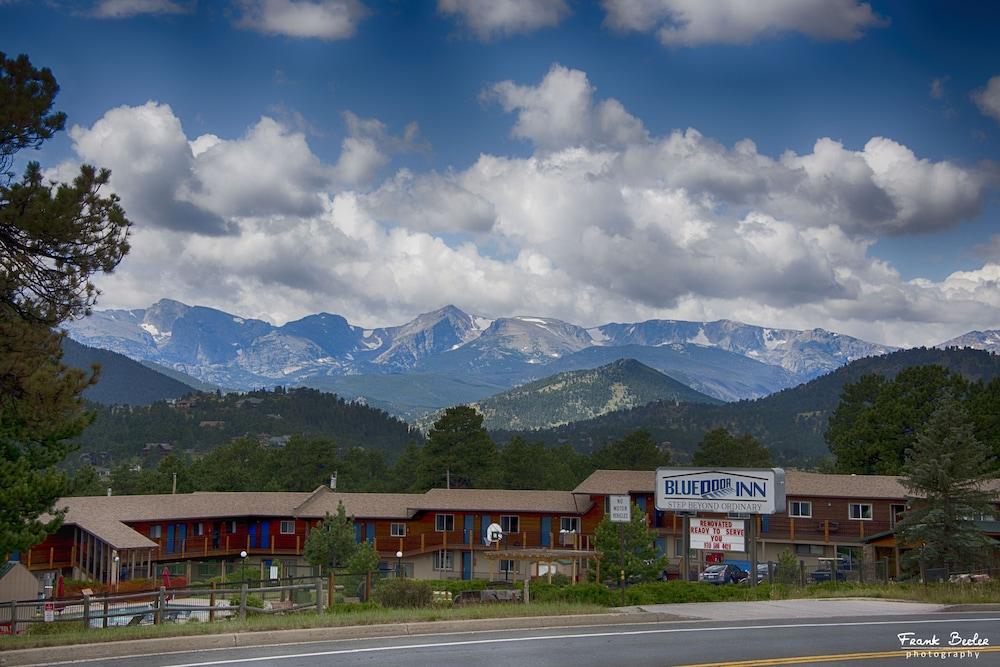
{"x": 397, "y": 530}
{"x": 509, "y": 566}
{"x": 574, "y": 521}
{"x": 199, "y": 529}
{"x": 861, "y": 517}
{"x": 444, "y": 560}
{"x": 440, "y": 519}
{"x": 895, "y": 513}
{"x": 290, "y": 523}
{"x": 505, "y": 522}
{"x": 231, "y": 526}
{"x": 156, "y": 532}
{"x": 795, "y": 509}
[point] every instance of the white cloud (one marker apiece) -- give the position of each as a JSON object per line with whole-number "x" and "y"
{"x": 937, "y": 90}
{"x": 601, "y": 222}
{"x": 317, "y": 19}
{"x": 120, "y": 9}
{"x": 987, "y": 98}
{"x": 560, "y": 111}
{"x": 695, "y": 22}
{"x": 490, "y": 19}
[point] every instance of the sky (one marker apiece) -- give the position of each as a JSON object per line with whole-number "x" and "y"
{"x": 786, "y": 163}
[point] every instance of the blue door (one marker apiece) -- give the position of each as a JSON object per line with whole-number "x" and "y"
{"x": 466, "y": 565}
{"x": 468, "y": 528}
{"x": 357, "y": 533}
{"x": 265, "y": 535}
{"x": 485, "y": 524}
{"x": 253, "y": 536}
{"x": 170, "y": 538}
{"x": 641, "y": 502}
{"x": 546, "y": 540}
{"x": 181, "y": 535}
{"x": 370, "y": 531}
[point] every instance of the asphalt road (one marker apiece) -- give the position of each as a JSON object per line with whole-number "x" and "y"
{"x": 831, "y": 641}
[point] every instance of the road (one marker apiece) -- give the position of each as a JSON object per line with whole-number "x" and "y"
{"x": 831, "y": 641}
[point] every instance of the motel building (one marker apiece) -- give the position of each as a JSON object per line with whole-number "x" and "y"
{"x": 442, "y": 534}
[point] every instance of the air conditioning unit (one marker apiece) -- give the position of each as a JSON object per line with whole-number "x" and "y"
{"x": 567, "y": 539}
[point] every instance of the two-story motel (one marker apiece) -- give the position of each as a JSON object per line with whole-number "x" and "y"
{"x": 439, "y": 534}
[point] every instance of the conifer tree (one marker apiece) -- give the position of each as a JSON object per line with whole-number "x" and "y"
{"x": 720, "y": 448}
{"x": 458, "y": 452}
{"x": 332, "y": 542}
{"x": 944, "y": 474}
{"x": 53, "y": 238}
{"x": 640, "y": 557}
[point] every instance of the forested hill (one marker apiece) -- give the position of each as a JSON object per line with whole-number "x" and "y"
{"x": 204, "y": 421}
{"x": 790, "y": 422}
{"x": 122, "y": 381}
{"x": 575, "y": 395}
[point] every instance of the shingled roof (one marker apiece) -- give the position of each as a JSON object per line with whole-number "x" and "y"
{"x": 497, "y": 500}
{"x": 369, "y": 505}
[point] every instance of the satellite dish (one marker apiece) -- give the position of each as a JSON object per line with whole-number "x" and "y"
{"x": 494, "y": 533}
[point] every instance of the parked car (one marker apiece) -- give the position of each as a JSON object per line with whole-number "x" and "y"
{"x": 725, "y": 573}
{"x": 823, "y": 574}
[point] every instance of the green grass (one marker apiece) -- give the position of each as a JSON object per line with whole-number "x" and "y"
{"x": 60, "y": 634}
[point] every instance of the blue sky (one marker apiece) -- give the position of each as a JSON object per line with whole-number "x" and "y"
{"x": 547, "y": 168}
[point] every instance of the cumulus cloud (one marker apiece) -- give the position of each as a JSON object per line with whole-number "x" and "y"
{"x": 120, "y": 9}
{"x": 601, "y": 222}
{"x": 316, "y": 19}
{"x": 560, "y": 111}
{"x": 987, "y": 98}
{"x": 491, "y": 19}
{"x": 696, "y": 22}
{"x": 937, "y": 87}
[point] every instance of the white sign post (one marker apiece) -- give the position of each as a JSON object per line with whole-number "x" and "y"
{"x": 621, "y": 513}
{"x": 621, "y": 509}
{"x": 718, "y": 534}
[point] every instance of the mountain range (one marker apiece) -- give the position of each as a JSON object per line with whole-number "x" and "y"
{"x": 447, "y": 356}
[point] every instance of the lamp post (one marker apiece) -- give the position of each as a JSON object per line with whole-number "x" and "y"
{"x": 117, "y": 573}
{"x": 399, "y": 564}
{"x": 243, "y": 567}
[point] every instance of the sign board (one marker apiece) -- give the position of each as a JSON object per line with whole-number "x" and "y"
{"x": 718, "y": 534}
{"x": 749, "y": 490}
{"x": 620, "y": 509}
{"x": 494, "y": 533}
{"x": 50, "y": 612}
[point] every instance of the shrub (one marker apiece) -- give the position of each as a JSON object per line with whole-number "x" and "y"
{"x": 403, "y": 593}
{"x": 254, "y": 601}
{"x": 788, "y": 568}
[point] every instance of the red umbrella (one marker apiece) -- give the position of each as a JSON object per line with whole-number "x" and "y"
{"x": 166, "y": 578}
{"x": 60, "y": 587}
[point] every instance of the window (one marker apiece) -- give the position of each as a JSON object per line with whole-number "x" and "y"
{"x": 679, "y": 546}
{"x": 156, "y": 532}
{"x": 231, "y": 529}
{"x": 809, "y": 550}
{"x": 444, "y": 560}
{"x": 896, "y": 514}
{"x": 738, "y": 515}
{"x": 569, "y": 524}
{"x": 287, "y": 527}
{"x": 397, "y": 529}
{"x": 199, "y": 529}
{"x": 510, "y": 524}
{"x": 861, "y": 511}
{"x": 444, "y": 522}
{"x": 508, "y": 566}
{"x": 801, "y": 509}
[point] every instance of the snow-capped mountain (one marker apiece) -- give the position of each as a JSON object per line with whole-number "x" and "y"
{"x": 242, "y": 353}
{"x": 805, "y": 353}
{"x": 988, "y": 340}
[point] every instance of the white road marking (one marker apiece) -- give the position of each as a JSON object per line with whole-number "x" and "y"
{"x": 576, "y": 635}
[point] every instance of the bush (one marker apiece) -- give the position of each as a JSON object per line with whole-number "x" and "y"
{"x": 403, "y": 593}
{"x": 255, "y": 601}
{"x": 456, "y": 586}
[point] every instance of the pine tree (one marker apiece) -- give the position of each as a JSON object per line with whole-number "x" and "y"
{"x": 635, "y": 451}
{"x": 332, "y": 542}
{"x": 640, "y": 557}
{"x": 53, "y": 238}
{"x": 944, "y": 474}
{"x": 720, "y": 448}
{"x": 460, "y": 450}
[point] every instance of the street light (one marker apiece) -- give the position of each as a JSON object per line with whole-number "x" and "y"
{"x": 399, "y": 564}
{"x": 243, "y": 567}
{"x": 118, "y": 573}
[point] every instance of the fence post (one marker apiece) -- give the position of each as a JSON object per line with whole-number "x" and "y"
{"x": 770, "y": 572}
{"x": 13, "y": 617}
{"x": 319, "y": 595}
{"x": 802, "y": 573}
{"x": 243, "y": 602}
{"x": 329, "y": 590}
{"x": 861, "y": 574}
{"x": 211, "y": 604}
{"x": 86, "y": 612}
{"x": 161, "y": 599}
{"x": 885, "y": 563}
{"x": 104, "y": 621}
{"x": 368, "y": 586}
